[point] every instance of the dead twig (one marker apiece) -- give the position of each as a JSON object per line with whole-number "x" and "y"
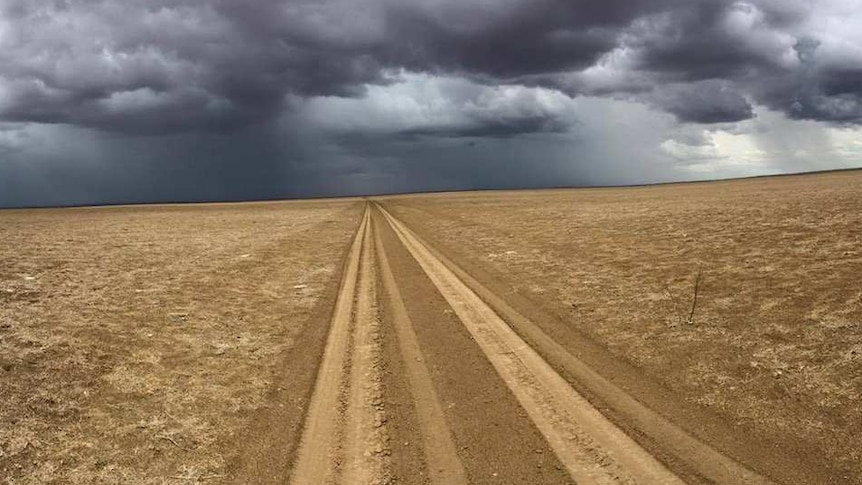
{"x": 171, "y": 440}
{"x": 694, "y": 298}
{"x": 202, "y": 477}
{"x": 678, "y": 309}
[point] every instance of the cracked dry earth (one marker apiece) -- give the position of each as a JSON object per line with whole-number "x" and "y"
{"x": 442, "y": 339}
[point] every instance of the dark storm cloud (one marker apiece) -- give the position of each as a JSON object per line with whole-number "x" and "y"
{"x": 831, "y": 93}
{"x": 184, "y": 64}
{"x": 507, "y": 39}
{"x": 705, "y": 61}
{"x": 493, "y": 128}
{"x": 709, "y": 101}
{"x": 177, "y": 65}
{"x": 174, "y": 65}
{"x": 723, "y": 54}
{"x": 700, "y": 42}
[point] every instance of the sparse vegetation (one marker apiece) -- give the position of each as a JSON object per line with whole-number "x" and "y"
{"x": 680, "y": 310}
{"x": 777, "y": 345}
{"x": 136, "y": 342}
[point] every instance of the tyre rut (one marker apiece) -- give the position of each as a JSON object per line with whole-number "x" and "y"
{"x": 346, "y": 433}
{"x": 441, "y": 458}
{"x": 564, "y": 416}
{"x": 343, "y": 440}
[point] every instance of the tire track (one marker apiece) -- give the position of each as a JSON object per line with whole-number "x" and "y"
{"x": 345, "y": 437}
{"x": 495, "y": 439}
{"x": 441, "y": 458}
{"x": 365, "y": 444}
{"x": 588, "y": 444}
{"x": 708, "y": 464}
{"x": 343, "y": 440}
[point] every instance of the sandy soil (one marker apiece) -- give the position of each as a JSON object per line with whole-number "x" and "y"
{"x": 483, "y": 338}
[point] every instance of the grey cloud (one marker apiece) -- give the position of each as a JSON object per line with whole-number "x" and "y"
{"x": 708, "y": 61}
{"x": 186, "y": 64}
{"x": 495, "y": 128}
{"x": 830, "y": 92}
{"x": 842, "y": 81}
{"x": 12, "y": 137}
{"x": 417, "y": 105}
{"x": 494, "y": 112}
{"x": 709, "y": 40}
{"x": 705, "y": 61}
{"x": 192, "y": 65}
{"x": 172, "y": 65}
{"x": 507, "y": 39}
{"x": 703, "y": 102}
{"x": 820, "y": 89}
{"x": 692, "y": 136}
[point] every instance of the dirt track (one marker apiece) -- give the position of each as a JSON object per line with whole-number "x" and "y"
{"x": 532, "y": 426}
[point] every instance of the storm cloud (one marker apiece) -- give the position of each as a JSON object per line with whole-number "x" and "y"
{"x": 188, "y": 64}
{"x": 341, "y": 74}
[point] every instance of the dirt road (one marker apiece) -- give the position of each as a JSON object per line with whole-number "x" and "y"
{"x": 429, "y": 377}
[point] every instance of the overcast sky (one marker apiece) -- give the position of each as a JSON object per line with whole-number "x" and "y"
{"x": 106, "y": 101}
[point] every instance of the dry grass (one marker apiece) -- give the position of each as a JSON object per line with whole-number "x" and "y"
{"x": 776, "y": 341}
{"x": 135, "y": 342}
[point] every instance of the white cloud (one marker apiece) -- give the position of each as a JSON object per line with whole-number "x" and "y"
{"x": 773, "y": 143}
{"x": 12, "y": 137}
{"x": 426, "y": 103}
{"x": 747, "y": 23}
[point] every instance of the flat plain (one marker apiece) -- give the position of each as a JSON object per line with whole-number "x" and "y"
{"x": 137, "y": 342}
{"x": 775, "y": 345}
{"x": 685, "y": 333}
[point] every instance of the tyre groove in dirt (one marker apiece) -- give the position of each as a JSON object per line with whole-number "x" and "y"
{"x": 345, "y": 401}
{"x": 548, "y": 397}
{"x": 440, "y": 455}
{"x": 270, "y": 440}
{"x": 686, "y": 436}
{"x": 365, "y": 444}
{"x": 495, "y": 440}
{"x": 708, "y": 463}
{"x": 346, "y": 434}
